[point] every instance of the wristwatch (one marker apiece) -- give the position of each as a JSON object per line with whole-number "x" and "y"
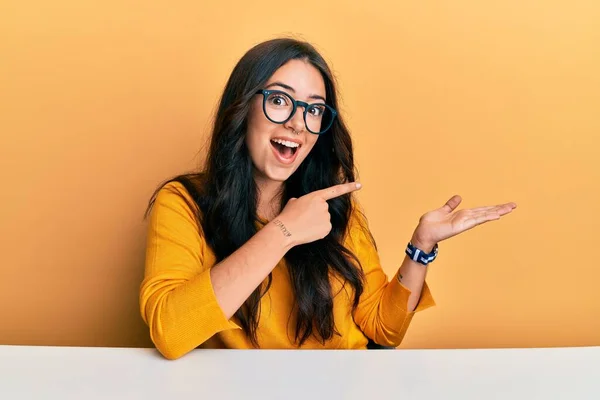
{"x": 419, "y": 255}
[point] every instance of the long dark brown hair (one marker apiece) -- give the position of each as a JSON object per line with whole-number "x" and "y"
{"x": 226, "y": 194}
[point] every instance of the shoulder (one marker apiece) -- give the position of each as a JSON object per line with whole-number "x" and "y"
{"x": 172, "y": 193}
{"x": 357, "y": 231}
{"x": 175, "y": 198}
{"x": 357, "y": 219}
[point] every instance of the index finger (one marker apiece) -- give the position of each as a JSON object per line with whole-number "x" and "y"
{"x": 337, "y": 190}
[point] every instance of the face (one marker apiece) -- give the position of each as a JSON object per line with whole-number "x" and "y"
{"x": 277, "y": 150}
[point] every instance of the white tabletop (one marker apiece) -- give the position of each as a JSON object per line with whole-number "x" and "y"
{"x": 121, "y": 373}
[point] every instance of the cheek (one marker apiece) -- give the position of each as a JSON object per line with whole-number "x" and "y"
{"x": 256, "y": 127}
{"x": 256, "y": 117}
{"x": 311, "y": 142}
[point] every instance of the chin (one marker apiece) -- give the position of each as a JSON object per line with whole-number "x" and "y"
{"x": 279, "y": 174}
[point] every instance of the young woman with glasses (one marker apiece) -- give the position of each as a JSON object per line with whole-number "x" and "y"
{"x": 266, "y": 247}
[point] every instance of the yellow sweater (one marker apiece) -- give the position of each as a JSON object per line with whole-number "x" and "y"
{"x": 178, "y": 303}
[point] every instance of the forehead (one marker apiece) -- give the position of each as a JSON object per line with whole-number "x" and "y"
{"x": 302, "y": 76}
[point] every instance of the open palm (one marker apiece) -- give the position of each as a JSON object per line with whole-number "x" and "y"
{"x": 443, "y": 223}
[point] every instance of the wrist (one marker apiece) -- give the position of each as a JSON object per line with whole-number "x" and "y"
{"x": 419, "y": 255}
{"x": 280, "y": 234}
{"x": 422, "y": 243}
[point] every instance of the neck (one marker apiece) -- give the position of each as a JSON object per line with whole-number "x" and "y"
{"x": 269, "y": 198}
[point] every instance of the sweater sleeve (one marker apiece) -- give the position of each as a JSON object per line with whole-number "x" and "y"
{"x": 382, "y": 312}
{"x": 177, "y": 300}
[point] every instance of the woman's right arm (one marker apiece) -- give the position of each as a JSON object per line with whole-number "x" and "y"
{"x": 302, "y": 221}
{"x": 183, "y": 301}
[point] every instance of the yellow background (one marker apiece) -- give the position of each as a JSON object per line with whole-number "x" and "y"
{"x": 496, "y": 101}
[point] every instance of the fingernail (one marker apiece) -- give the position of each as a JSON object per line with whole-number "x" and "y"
{"x": 358, "y": 185}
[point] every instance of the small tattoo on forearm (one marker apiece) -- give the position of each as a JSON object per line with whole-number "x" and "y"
{"x": 282, "y": 227}
{"x": 400, "y": 277}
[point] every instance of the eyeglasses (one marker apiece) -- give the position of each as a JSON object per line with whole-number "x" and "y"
{"x": 279, "y": 107}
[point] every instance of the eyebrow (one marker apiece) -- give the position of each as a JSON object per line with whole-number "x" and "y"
{"x": 291, "y": 89}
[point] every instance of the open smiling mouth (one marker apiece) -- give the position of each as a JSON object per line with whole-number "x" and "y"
{"x": 285, "y": 151}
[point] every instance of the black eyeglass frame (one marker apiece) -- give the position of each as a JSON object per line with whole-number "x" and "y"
{"x": 295, "y": 103}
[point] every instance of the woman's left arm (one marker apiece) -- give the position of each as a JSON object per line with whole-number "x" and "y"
{"x": 438, "y": 225}
{"x": 386, "y": 308}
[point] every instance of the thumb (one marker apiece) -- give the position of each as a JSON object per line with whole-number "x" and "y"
{"x": 451, "y": 204}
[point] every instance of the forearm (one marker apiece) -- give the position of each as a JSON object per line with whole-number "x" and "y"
{"x": 412, "y": 274}
{"x": 236, "y": 277}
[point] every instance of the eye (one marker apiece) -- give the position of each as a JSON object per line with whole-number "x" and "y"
{"x": 316, "y": 111}
{"x": 278, "y": 100}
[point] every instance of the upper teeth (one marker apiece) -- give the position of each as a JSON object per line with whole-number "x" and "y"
{"x": 286, "y": 143}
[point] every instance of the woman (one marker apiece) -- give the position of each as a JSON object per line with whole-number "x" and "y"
{"x": 266, "y": 246}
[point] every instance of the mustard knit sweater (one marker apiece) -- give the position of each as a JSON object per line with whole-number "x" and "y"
{"x": 178, "y": 303}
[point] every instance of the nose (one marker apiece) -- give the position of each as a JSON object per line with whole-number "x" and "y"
{"x": 296, "y": 123}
